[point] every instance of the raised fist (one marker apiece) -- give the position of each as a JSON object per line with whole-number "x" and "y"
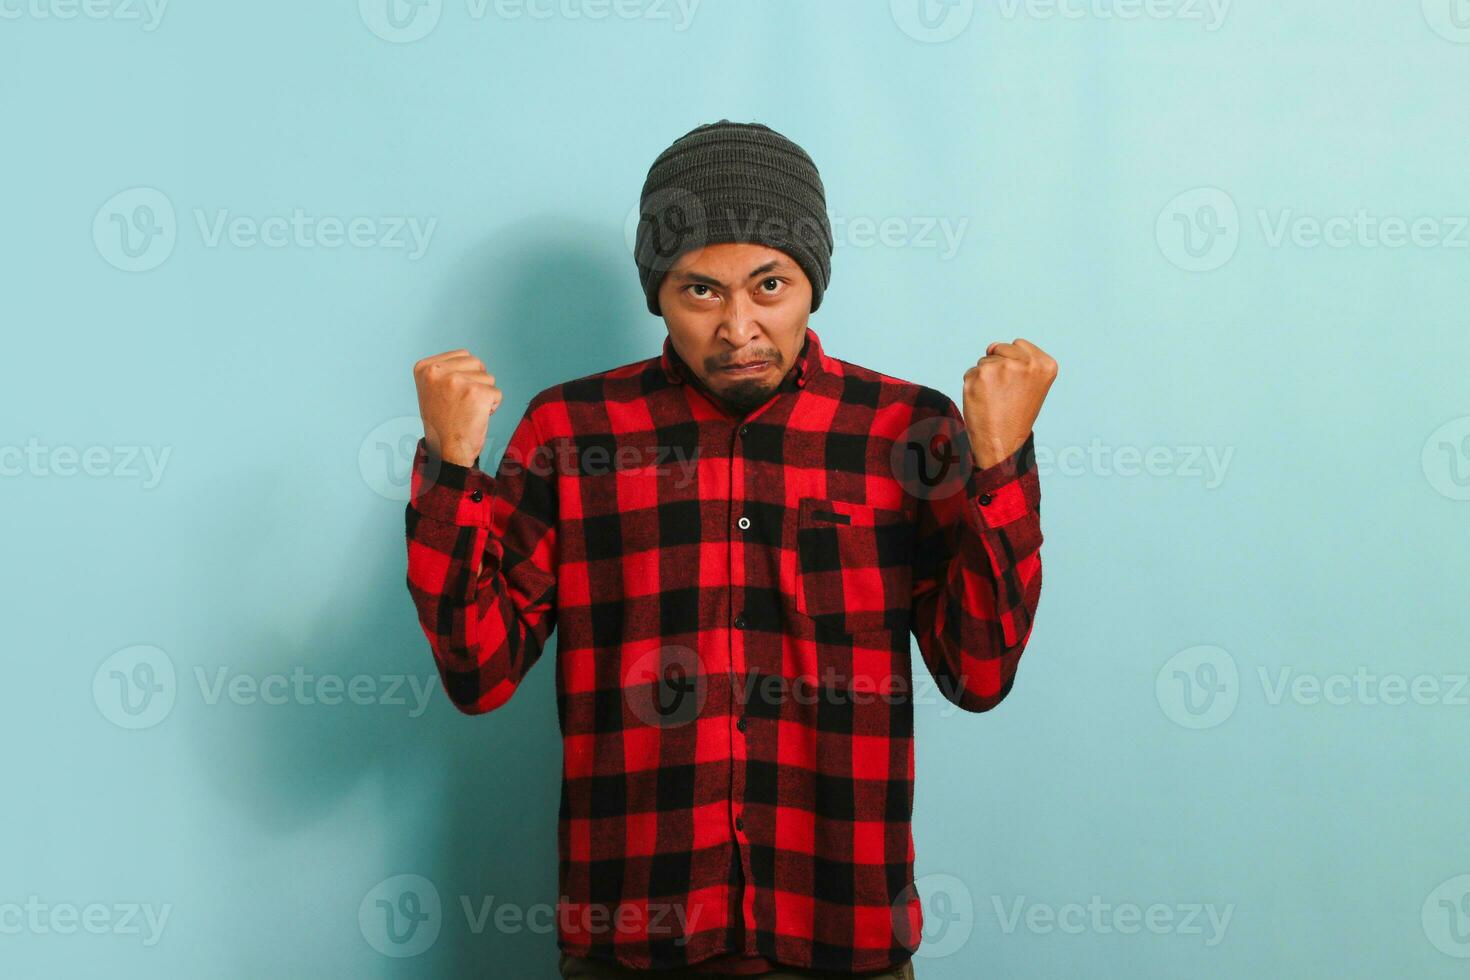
{"x": 456, "y": 399}
{"x": 1003, "y": 396}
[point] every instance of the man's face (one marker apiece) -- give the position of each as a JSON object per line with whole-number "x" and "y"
{"x": 736, "y": 303}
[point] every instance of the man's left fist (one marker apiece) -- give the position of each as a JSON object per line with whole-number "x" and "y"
{"x": 1003, "y": 396}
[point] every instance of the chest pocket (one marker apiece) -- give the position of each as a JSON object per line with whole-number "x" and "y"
{"x": 854, "y": 565}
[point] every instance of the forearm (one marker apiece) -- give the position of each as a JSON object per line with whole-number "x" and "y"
{"x": 980, "y": 581}
{"x": 485, "y": 608}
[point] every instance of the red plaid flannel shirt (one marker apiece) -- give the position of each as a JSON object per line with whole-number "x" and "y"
{"x": 734, "y": 598}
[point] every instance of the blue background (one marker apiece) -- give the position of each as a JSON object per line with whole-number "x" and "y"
{"x": 1133, "y": 192}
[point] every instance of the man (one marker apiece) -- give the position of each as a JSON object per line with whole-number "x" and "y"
{"x": 737, "y": 540}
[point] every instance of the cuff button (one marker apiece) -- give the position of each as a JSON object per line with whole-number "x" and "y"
{"x": 985, "y": 498}
{"x": 477, "y": 495}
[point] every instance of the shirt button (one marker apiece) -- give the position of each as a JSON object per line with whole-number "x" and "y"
{"x": 740, "y": 621}
{"x": 744, "y": 523}
{"x": 477, "y": 495}
{"x": 739, "y": 823}
{"x": 744, "y": 429}
{"x": 985, "y": 498}
{"x": 740, "y": 724}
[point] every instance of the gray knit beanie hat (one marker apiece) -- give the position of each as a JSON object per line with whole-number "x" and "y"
{"x": 732, "y": 182}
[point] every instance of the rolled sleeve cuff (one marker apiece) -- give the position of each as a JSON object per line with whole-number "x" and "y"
{"x": 995, "y": 492}
{"x": 449, "y": 492}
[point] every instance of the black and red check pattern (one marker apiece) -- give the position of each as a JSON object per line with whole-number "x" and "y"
{"x": 734, "y": 599}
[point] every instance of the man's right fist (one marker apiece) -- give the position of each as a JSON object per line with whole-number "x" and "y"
{"x": 456, "y": 399}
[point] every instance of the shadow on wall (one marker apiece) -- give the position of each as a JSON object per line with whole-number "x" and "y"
{"x": 469, "y": 803}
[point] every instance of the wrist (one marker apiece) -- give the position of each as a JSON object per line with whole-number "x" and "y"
{"x": 458, "y": 453}
{"x": 461, "y": 457}
{"x": 985, "y": 453}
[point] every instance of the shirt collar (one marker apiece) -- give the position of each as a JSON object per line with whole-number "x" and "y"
{"x": 809, "y": 362}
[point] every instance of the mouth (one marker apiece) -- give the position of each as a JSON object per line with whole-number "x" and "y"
{"x": 748, "y": 367}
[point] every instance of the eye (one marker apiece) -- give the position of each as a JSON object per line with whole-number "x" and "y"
{"x": 698, "y": 285}
{"x": 773, "y": 281}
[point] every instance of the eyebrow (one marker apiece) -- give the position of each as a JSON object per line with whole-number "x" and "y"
{"x": 709, "y": 281}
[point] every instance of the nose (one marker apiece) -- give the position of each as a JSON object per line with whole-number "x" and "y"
{"x": 741, "y": 323}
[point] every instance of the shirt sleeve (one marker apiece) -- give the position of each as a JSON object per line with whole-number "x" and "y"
{"x": 977, "y": 578}
{"x": 481, "y": 566}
